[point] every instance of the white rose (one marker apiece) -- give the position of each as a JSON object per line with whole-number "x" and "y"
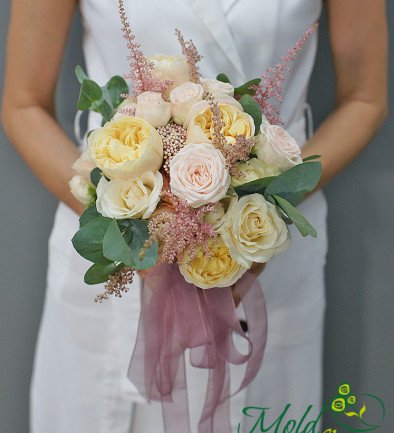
{"x": 199, "y": 174}
{"x": 253, "y": 230}
{"x": 172, "y": 68}
{"x": 277, "y": 147}
{"x": 235, "y": 122}
{"x": 216, "y": 87}
{"x": 84, "y": 165}
{"x": 127, "y": 108}
{"x": 182, "y": 99}
{"x": 153, "y": 108}
{"x": 132, "y": 198}
{"x": 252, "y": 170}
{"x": 82, "y": 189}
{"x": 214, "y": 217}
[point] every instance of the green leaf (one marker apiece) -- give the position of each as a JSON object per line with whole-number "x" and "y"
{"x": 90, "y": 214}
{"x": 302, "y": 224}
{"x": 223, "y": 78}
{"x": 115, "y": 247}
{"x": 89, "y": 94}
{"x": 88, "y": 241}
{"x": 138, "y": 232}
{"x": 80, "y": 73}
{"x": 247, "y": 88}
{"x": 99, "y": 273}
{"x": 293, "y": 184}
{"x": 251, "y": 107}
{"x": 256, "y": 186}
{"x": 116, "y": 86}
{"x": 95, "y": 176}
{"x": 311, "y": 158}
{"x": 104, "y": 109}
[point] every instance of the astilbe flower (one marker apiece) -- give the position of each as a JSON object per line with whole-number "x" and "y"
{"x": 117, "y": 284}
{"x": 141, "y": 69}
{"x": 192, "y": 56}
{"x": 271, "y": 87}
{"x": 174, "y": 138}
{"x": 232, "y": 152}
{"x": 185, "y": 228}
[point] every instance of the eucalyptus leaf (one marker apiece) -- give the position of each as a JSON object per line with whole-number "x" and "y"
{"x": 115, "y": 247}
{"x": 247, "y": 88}
{"x": 90, "y": 214}
{"x": 95, "y": 176}
{"x": 311, "y": 158}
{"x": 117, "y": 86}
{"x": 99, "y": 273}
{"x": 103, "y": 108}
{"x": 88, "y": 241}
{"x": 89, "y": 94}
{"x": 302, "y": 224}
{"x": 139, "y": 234}
{"x": 293, "y": 184}
{"x": 255, "y": 186}
{"x": 81, "y": 74}
{"x": 223, "y": 78}
{"x": 251, "y": 107}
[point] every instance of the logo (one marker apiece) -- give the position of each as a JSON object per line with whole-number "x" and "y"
{"x": 347, "y": 412}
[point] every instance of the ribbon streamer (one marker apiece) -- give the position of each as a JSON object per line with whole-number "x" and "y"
{"x": 176, "y": 316}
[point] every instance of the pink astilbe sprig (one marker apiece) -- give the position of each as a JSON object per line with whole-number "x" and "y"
{"x": 232, "y": 152}
{"x": 181, "y": 229}
{"x": 271, "y": 87}
{"x": 141, "y": 69}
{"x": 192, "y": 56}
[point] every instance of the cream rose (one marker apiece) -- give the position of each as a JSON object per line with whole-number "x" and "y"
{"x": 182, "y": 99}
{"x": 252, "y": 170}
{"x": 172, "y": 68}
{"x": 84, "y": 165}
{"x": 277, "y": 147}
{"x": 153, "y": 108}
{"x": 127, "y": 147}
{"x": 200, "y": 125}
{"x": 217, "y": 88}
{"x": 218, "y": 269}
{"x": 82, "y": 189}
{"x": 214, "y": 217}
{"x": 132, "y": 198}
{"x": 253, "y": 230}
{"x": 127, "y": 108}
{"x": 199, "y": 175}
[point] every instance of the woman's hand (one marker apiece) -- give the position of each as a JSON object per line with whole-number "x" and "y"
{"x": 358, "y": 35}
{"x": 256, "y": 270}
{"x": 37, "y": 35}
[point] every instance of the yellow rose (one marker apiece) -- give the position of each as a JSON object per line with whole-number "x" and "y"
{"x": 252, "y": 170}
{"x": 235, "y": 121}
{"x": 216, "y": 270}
{"x": 126, "y": 147}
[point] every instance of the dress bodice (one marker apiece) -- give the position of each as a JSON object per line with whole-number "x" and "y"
{"x": 238, "y": 37}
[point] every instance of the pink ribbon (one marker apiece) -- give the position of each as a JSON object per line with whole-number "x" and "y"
{"x": 176, "y": 316}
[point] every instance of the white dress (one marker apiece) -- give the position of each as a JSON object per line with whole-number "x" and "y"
{"x": 79, "y": 382}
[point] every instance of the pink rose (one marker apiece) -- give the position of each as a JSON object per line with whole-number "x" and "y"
{"x": 278, "y": 148}
{"x": 199, "y": 175}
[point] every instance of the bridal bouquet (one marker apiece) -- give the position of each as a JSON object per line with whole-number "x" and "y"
{"x": 195, "y": 180}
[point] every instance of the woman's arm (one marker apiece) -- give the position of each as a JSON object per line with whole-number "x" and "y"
{"x": 37, "y": 36}
{"x": 358, "y": 35}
